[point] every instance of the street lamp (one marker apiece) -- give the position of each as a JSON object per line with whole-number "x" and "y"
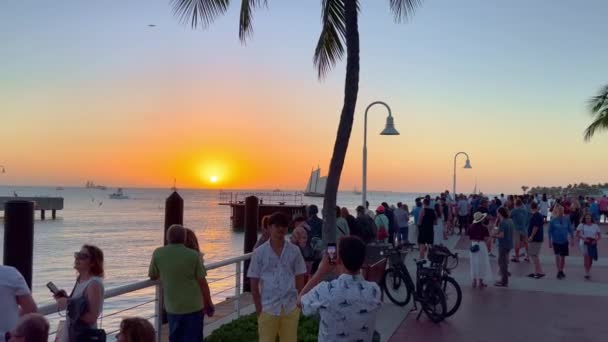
{"x": 389, "y": 129}
{"x": 467, "y": 165}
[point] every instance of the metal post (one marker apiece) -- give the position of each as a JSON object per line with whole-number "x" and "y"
{"x": 237, "y": 289}
{"x": 19, "y": 237}
{"x": 158, "y": 318}
{"x": 364, "y": 185}
{"x": 454, "y": 183}
{"x": 251, "y": 233}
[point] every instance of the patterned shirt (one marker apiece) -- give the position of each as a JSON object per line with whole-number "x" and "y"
{"x": 277, "y": 276}
{"x": 348, "y": 307}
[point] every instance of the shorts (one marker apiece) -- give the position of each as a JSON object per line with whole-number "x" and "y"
{"x": 604, "y": 212}
{"x": 561, "y": 249}
{"x": 534, "y": 248}
{"x": 425, "y": 235}
{"x": 285, "y": 325}
{"x": 517, "y": 237}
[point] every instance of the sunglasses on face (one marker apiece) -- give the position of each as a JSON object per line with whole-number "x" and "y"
{"x": 81, "y": 256}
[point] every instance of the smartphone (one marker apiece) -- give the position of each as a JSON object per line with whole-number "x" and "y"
{"x": 54, "y": 290}
{"x": 332, "y": 253}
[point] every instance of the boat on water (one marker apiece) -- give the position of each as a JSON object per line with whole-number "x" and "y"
{"x": 316, "y": 184}
{"x": 59, "y": 188}
{"x": 356, "y": 191}
{"x": 118, "y": 195}
{"x": 92, "y": 185}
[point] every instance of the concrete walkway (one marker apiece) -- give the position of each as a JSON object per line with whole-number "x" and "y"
{"x": 547, "y": 309}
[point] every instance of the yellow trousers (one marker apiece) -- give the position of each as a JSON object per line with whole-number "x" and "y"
{"x": 285, "y": 325}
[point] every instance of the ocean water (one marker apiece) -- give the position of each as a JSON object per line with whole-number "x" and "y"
{"x": 129, "y": 230}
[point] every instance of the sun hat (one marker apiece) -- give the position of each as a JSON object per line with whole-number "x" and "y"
{"x": 380, "y": 209}
{"x": 478, "y": 217}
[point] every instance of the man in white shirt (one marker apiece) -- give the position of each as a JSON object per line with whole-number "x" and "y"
{"x": 347, "y": 305}
{"x": 15, "y": 298}
{"x": 277, "y": 272}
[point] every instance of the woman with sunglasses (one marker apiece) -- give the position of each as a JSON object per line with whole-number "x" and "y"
{"x": 88, "y": 262}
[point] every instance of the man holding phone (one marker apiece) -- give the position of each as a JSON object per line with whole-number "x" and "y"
{"x": 277, "y": 272}
{"x": 348, "y": 305}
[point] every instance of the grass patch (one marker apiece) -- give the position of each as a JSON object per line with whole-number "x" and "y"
{"x": 245, "y": 329}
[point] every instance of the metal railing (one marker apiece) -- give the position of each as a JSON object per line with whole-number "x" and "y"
{"x": 158, "y": 300}
{"x": 267, "y": 197}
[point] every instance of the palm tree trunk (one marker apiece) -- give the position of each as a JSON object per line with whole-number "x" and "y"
{"x": 351, "y": 90}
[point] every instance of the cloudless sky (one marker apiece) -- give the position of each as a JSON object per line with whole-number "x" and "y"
{"x": 89, "y": 91}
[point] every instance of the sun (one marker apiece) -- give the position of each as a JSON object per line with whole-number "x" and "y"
{"x": 213, "y": 179}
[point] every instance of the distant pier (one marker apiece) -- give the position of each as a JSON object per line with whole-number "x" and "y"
{"x": 289, "y": 203}
{"x": 40, "y": 203}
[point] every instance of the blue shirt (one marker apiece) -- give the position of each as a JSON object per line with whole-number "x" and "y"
{"x": 594, "y": 209}
{"x": 520, "y": 219}
{"x": 506, "y": 227}
{"x": 416, "y": 213}
{"x": 559, "y": 229}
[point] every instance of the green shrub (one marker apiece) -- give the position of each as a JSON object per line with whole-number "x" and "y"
{"x": 245, "y": 329}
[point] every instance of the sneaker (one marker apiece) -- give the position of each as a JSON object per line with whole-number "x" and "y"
{"x": 500, "y": 284}
{"x": 539, "y": 275}
{"x": 492, "y": 255}
{"x": 532, "y": 275}
{"x": 563, "y": 275}
{"x": 587, "y": 277}
{"x": 559, "y": 275}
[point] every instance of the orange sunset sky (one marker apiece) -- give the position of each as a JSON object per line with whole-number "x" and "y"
{"x": 104, "y": 97}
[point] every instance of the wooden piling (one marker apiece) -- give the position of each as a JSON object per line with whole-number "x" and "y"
{"x": 19, "y": 237}
{"x": 251, "y": 234}
{"x": 54, "y": 214}
{"x": 42, "y": 216}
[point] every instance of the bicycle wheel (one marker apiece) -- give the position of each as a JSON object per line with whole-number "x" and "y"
{"x": 453, "y": 295}
{"x": 395, "y": 286}
{"x": 433, "y": 302}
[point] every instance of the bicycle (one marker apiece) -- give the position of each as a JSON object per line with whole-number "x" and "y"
{"x": 426, "y": 290}
{"x": 440, "y": 257}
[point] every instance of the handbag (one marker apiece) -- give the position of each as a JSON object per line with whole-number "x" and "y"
{"x": 474, "y": 248}
{"x": 78, "y": 331}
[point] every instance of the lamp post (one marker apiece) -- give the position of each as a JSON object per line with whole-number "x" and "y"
{"x": 389, "y": 129}
{"x": 467, "y": 165}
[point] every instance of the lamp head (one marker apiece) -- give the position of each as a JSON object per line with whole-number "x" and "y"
{"x": 2, "y": 169}
{"x": 389, "y": 129}
{"x": 467, "y": 165}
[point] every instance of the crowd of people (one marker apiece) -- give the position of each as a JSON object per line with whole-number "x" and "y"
{"x": 293, "y": 275}
{"x": 517, "y": 224}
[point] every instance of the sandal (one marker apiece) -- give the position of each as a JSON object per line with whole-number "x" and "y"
{"x": 482, "y": 285}
{"x": 539, "y": 275}
{"x": 532, "y": 275}
{"x": 526, "y": 259}
{"x": 500, "y": 284}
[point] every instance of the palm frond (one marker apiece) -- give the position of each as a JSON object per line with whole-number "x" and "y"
{"x": 404, "y": 9}
{"x": 596, "y": 103}
{"x": 330, "y": 47}
{"x": 599, "y": 124}
{"x": 199, "y": 12}
{"x": 246, "y": 17}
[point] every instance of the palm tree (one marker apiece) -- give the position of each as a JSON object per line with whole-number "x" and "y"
{"x": 524, "y": 188}
{"x": 340, "y": 27}
{"x": 598, "y": 106}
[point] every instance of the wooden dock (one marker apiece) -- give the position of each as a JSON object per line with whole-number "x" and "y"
{"x": 40, "y": 203}
{"x": 289, "y": 203}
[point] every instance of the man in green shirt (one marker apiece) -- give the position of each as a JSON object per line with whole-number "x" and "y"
{"x": 186, "y": 292}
